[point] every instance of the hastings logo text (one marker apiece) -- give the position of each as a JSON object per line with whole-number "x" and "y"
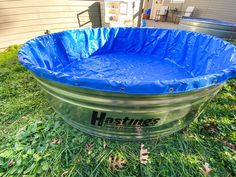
{"x": 101, "y": 119}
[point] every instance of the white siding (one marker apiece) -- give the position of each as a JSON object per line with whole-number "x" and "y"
{"x": 21, "y": 20}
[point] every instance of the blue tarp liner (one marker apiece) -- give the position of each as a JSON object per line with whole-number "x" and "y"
{"x": 131, "y": 60}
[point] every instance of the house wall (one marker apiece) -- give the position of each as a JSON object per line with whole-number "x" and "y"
{"x": 216, "y": 9}
{"x": 21, "y": 20}
{"x": 147, "y": 4}
{"x": 131, "y": 11}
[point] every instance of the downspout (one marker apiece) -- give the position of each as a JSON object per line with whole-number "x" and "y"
{"x": 140, "y": 12}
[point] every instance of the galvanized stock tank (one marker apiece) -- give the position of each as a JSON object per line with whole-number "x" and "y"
{"x": 123, "y": 116}
{"x": 129, "y": 83}
{"x": 217, "y": 28}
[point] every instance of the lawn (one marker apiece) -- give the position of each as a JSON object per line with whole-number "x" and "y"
{"x": 35, "y": 141}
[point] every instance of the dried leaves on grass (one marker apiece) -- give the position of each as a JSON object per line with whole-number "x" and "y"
{"x": 55, "y": 141}
{"x": 89, "y": 147}
{"x": 143, "y": 155}
{"x": 116, "y": 162}
{"x": 206, "y": 169}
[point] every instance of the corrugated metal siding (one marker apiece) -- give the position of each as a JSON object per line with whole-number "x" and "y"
{"x": 21, "y": 20}
{"x": 216, "y": 9}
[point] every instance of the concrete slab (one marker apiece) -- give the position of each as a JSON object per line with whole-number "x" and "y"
{"x": 168, "y": 25}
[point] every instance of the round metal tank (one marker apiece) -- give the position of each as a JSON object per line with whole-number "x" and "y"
{"x": 124, "y": 116}
{"x": 129, "y": 83}
{"x": 209, "y": 26}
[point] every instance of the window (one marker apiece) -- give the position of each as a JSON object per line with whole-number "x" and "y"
{"x": 177, "y": 1}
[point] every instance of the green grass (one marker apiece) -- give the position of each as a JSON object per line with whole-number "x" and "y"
{"x": 35, "y": 141}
